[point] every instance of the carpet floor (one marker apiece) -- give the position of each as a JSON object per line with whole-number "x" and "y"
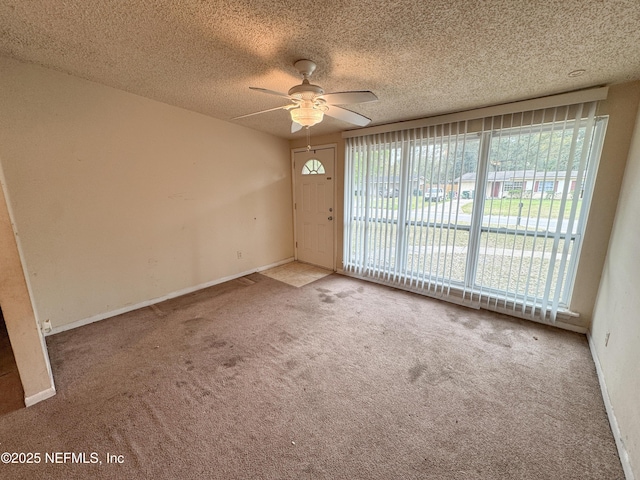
{"x": 338, "y": 379}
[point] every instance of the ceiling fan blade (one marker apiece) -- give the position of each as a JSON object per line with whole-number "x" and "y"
{"x": 270, "y": 92}
{"x": 343, "y": 98}
{"x": 264, "y": 111}
{"x": 295, "y": 127}
{"x": 347, "y": 115}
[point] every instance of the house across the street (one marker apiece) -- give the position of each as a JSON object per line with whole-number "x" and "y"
{"x": 531, "y": 183}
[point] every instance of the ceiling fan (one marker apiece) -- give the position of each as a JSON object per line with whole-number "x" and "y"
{"x": 309, "y": 103}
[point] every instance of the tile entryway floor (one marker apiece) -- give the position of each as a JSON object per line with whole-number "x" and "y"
{"x": 296, "y": 274}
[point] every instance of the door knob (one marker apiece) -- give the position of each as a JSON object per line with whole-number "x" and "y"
{"x": 330, "y": 218}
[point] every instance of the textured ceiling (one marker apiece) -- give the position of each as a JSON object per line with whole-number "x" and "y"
{"x": 420, "y": 57}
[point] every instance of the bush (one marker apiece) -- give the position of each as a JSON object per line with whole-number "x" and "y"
{"x": 514, "y": 193}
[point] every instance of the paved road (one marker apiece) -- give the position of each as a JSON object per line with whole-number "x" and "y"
{"x": 451, "y": 212}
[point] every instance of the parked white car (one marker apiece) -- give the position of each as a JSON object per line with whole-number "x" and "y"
{"x": 434, "y": 195}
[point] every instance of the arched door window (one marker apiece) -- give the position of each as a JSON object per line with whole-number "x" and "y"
{"x": 313, "y": 167}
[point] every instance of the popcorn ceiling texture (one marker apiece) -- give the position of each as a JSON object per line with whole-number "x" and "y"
{"x": 420, "y": 57}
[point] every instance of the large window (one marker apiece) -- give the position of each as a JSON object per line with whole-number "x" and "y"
{"x": 488, "y": 212}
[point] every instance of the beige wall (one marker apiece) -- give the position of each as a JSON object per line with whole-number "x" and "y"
{"x": 617, "y": 310}
{"x": 119, "y": 199}
{"x": 621, "y": 106}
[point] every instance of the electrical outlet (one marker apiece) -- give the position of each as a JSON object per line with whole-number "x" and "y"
{"x": 239, "y": 254}
{"x": 46, "y": 326}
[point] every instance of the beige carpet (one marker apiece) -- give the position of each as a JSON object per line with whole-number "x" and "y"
{"x": 339, "y": 379}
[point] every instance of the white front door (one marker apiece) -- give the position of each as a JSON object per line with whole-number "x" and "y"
{"x": 314, "y": 209}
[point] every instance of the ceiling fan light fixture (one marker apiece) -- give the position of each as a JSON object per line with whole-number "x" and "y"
{"x": 307, "y": 114}
{"x": 309, "y": 103}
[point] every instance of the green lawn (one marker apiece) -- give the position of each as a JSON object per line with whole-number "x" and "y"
{"x": 530, "y": 208}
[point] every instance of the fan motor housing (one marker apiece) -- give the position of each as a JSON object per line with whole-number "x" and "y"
{"x": 306, "y": 91}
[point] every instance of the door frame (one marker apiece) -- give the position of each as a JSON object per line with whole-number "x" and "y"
{"x": 20, "y": 314}
{"x": 334, "y": 196}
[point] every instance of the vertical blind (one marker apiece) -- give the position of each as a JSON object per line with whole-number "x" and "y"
{"x": 488, "y": 212}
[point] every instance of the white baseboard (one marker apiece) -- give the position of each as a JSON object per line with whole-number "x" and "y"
{"x": 146, "y": 303}
{"x": 40, "y": 396}
{"x": 615, "y": 429}
{"x": 271, "y": 265}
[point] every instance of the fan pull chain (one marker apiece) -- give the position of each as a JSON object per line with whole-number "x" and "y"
{"x": 308, "y": 139}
